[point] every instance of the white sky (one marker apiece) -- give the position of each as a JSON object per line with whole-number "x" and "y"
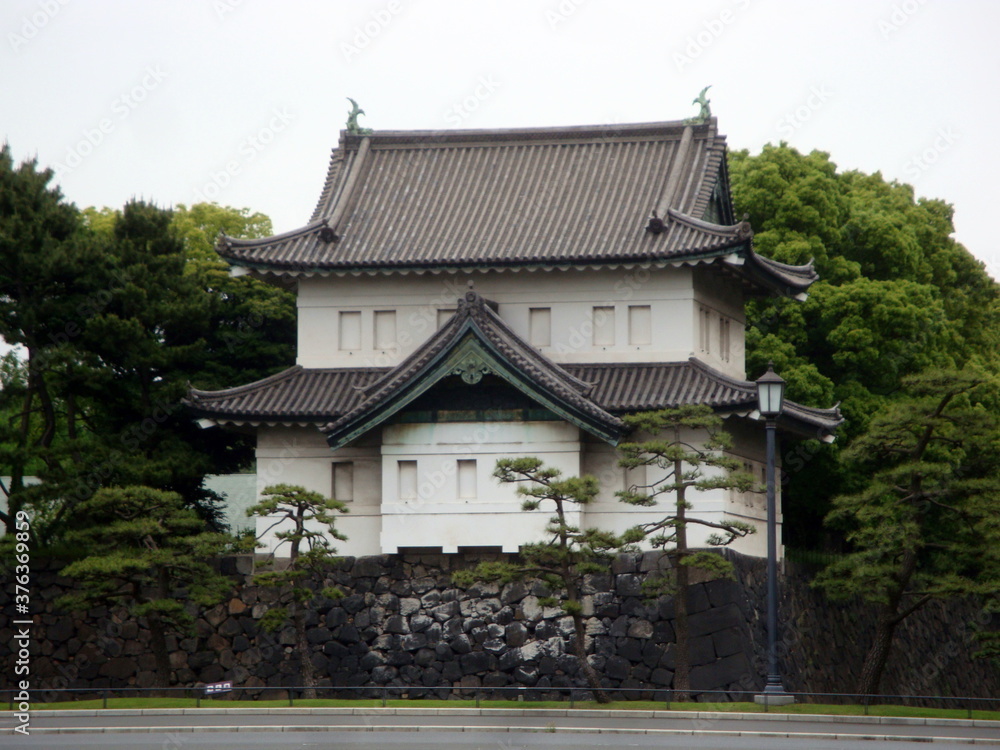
{"x": 240, "y": 101}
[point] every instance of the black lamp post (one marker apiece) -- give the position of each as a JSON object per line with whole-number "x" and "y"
{"x": 771, "y": 398}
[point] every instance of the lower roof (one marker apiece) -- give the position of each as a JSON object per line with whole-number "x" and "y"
{"x": 320, "y": 396}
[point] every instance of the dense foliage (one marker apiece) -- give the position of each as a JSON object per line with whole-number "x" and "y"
{"x": 897, "y": 295}
{"x": 143, "y": 546}
{"x": 115, "y": 314}
{"x": 927, "y": 523}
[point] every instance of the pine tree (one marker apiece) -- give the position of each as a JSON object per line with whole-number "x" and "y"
{"x": 567, "y": 555}
{"x": 926, "y": 525}
{"x": 306, "y": 522}
{"x": 141, "y": 547}
{"x": 685, "y": 449}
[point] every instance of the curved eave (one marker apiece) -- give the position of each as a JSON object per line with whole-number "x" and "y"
{"x": 642, "y": 261}
{"x": 778, "y": 278}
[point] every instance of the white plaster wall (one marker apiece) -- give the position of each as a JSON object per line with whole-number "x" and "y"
{"x": 301, "y": 456}
{"x": 571, "y": 294}
{"x": 607, "y": 512}
{"x": 380, "y": 521}
{"x": 437, "y": 516}
{"x": 722, "y": 297}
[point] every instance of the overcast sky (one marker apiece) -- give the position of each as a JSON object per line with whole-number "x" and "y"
{"x": 240, "y": 101}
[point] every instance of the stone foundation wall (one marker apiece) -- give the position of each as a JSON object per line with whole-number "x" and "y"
{"x": 403, "y": 624}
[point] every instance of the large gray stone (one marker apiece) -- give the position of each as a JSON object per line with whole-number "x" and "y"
{"x": 714, "y": 620}
{"x": 397, "y": 624}
{"x": 413, "y": 641}
{"x": 409, "y": 606}
{"x": 641, "y": 629}
{"x": 628, "y": 584}
{"x": 728, "y": 642}
{"x": 513, "y": 592}
{"x": 720, "y": 673}
{"x": 617, "y": 667}
{"x": 702, "y": 650}
{"x": 478, "y": 661}
{"x": 420, "y": 623}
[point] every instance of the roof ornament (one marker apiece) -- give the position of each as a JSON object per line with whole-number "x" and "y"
{"x": 706, "y": 111}
{"x": 656, "y": 225}
{"x": 352, "y": 120}
{"x": 743, "y": 229}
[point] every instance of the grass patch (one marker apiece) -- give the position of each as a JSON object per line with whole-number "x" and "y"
{"x": 795, "y": 708}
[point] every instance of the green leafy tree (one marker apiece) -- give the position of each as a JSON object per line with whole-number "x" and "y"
{"x": 141, "y": 547}
{"x": 252, "y": 324}
{"x": 927, "y": 524}
{"x": 118, "y": 311}
{"x": 50, "y": 283}
{"x": 567, "y": 555}
{"x": 686, "y": 450}
{"x": 306, "y": 522}
{"x": 897, "y": 294}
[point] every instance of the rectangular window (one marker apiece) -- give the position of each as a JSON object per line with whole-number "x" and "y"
{"x": 350, "y": 331}
{"x": 706, "y": 331}
{"x": 385, "y": 329}
{"x": 467, "y": 479}
{"x": 540, "y": 326}
{"x": 724, "y": 339}
{"x": 604, "y": 326}
{"x": 640, "y": 325}
{"x": 407, "y": 480}
{"x": 343, "y": 481}
{"x": 444, "y": 315}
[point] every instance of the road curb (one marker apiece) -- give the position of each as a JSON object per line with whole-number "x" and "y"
{"x": 501, "y": 729}
{"x": 559, "y": 713}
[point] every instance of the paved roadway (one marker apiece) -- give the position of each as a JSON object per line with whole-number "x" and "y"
{"x": 461, "y": 729}
{"x": 439, "y": 741}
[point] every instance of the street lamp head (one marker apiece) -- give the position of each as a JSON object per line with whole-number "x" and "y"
{"x": 771, "y": 393}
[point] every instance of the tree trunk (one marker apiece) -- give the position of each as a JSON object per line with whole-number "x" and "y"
{"x": 158, "y": 643}
{"x": 580, "y": 644}
{"x": 682, "y": 659}
{"x": 890, "y": 615}
{"x": 878, "y": 653}
{"x": 303, "y": 646}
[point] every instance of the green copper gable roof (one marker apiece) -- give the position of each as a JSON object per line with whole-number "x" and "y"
{"x": 475, "y": 342}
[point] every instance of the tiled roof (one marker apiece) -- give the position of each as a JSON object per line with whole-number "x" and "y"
{"x": 323, "y": 397}
{"x": 405, "y": 200}
{"x": 293, "y": 396}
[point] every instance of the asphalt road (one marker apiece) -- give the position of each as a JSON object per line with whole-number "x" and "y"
{"x": 444, "y": 729}
{"x": 436, "y": 741}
